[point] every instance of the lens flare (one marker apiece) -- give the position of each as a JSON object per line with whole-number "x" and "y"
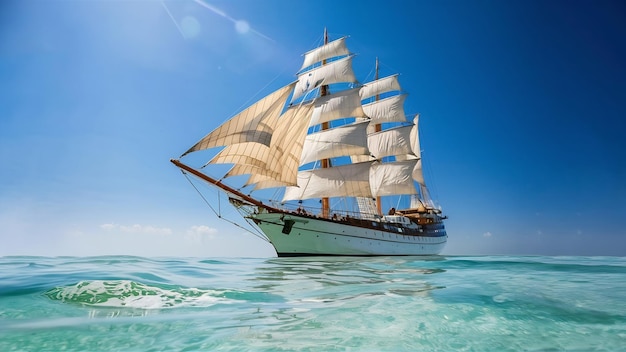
{"x": 190, "y": 27}
{"x": 242, "y": 26}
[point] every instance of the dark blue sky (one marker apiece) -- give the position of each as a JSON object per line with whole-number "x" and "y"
{"x": 522, "y": 108}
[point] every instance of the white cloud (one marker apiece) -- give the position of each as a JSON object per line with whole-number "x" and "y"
{"x": 136, "y": 228}
{"x": 487, "y": 234}
{"x": 202, "y": 229}
{"x": 201, "y": 232}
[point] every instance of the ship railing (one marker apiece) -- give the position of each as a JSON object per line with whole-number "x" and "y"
{"x": 334, "y": 214}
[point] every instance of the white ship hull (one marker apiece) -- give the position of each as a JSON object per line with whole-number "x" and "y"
{"x": 314, "y": 236}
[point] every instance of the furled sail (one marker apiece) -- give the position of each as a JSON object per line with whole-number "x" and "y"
{"x": 254, "y": 124}
{"x": 339, "y": 71}
{"x": 332, "y": 49}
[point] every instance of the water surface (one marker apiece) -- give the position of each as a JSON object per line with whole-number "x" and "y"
{"x": 485, "y": 303}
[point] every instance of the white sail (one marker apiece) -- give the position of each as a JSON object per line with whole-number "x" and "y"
{"x": 254, "y": 124}
{"x": 270, "y": 147}
{"x": 350, "y": 180}
{"x": 394, "y": 141}
{"x": 426, "y": 199}
{"x": 335, "y": 72}
{"x": 282, "y": 162}
{"x": 268, "y": 183}
{"x": 338, "y": 105}
{"x": 270, "y": 143}
{"x": 332, "y": 49}
{"x": 341, "y": 141}
{"x": 386, "y": 110}
{"x": 367, "y": 207}
{"x": 418, "y": 173}
{"x": 279, "y": 162}
{"x": 361, "y": 158}
{"x": 415, "y": 138}
{"x": 416, "y": 202}
{"x": 395, "y": 178}
{"x": 379, "y": 86}
{"x": 249, "y": 154}
{"x": 286, "y": 148}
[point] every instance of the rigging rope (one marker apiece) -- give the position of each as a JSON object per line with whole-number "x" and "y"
{"x": 218, "y": 214}
{"x": 200, "y": 193}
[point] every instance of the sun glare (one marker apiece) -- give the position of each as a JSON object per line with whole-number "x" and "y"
{"x": 242, "y": 26}
{"x": 190, "y": 27}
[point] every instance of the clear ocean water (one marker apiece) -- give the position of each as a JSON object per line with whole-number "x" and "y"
{"x": 481, "y": 303}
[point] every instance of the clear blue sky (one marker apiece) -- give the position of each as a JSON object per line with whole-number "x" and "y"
{"x": 523, "y": 106}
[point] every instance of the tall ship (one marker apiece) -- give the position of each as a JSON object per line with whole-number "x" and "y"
{"x": 314, "y": 166}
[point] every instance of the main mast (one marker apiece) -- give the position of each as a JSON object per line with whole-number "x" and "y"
{"x": 378, "y": 128}
{"x": 325, "y": 162}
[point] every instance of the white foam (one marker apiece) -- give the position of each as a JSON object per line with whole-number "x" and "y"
{"x": 125, "y": 293}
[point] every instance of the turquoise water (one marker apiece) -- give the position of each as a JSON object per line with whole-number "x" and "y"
{"x": 486, "y": 303}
